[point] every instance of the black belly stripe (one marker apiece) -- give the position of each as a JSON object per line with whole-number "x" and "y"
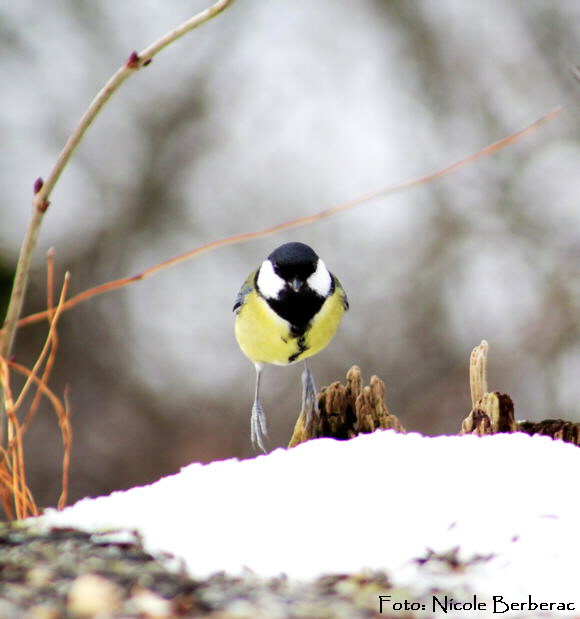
{"x": 301, "y": 343}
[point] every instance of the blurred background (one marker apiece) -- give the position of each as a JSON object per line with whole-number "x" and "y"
{"x": 271, "y": 111}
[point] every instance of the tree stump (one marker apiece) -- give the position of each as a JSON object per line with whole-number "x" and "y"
{"x": 347, "y": 410}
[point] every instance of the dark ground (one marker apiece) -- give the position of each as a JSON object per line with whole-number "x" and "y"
{"x": 67, "y": 573}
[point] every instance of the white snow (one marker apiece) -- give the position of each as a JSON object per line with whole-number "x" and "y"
{"x": 379, "y": 501}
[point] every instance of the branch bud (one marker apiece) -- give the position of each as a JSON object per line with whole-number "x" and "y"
{"x": 38, "y": 183}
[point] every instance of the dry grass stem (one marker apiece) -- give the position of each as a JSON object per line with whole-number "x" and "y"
{"x": 47, "y": 344}
{"x": 52, "y": 334}
{"x": 62, "y": 412}
{"x": 15, "y": 495}
{"x": 16, "y": 498}
{"x": 66, "y": 433}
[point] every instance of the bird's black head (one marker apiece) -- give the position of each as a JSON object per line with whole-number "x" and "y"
{"x": 294, "y": 261}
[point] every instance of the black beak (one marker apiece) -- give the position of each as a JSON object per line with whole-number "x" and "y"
{"x": 296, "y": 284}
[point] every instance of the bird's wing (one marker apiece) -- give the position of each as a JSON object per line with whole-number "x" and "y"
{"x": 338, "y": 285}
{"x": 246, "y": 288}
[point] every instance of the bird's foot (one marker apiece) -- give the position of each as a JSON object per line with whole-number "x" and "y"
{"x": 309, "y": 396}
{"x": 258, "y": 429}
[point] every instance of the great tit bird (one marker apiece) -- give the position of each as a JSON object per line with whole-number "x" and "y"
{"x": 287, "y": 310}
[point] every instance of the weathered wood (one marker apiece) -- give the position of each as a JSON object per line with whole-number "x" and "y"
{"x": 491, "y": 412}
{"x": 351, "y": 409}
{"x": 477, "y": 422}
{"x": 478, "y": 372}
{"x": 566, "y": 431}
{"x": 348, "y": 410}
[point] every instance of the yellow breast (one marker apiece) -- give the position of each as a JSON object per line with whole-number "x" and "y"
{"x": 264, "y": 337}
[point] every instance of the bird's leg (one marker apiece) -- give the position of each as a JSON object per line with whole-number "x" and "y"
{"x": 309, "y": 394}
{"x": 258, "y": 429}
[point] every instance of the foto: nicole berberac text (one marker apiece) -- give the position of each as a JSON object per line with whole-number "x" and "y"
{"x": 498, "y": 605}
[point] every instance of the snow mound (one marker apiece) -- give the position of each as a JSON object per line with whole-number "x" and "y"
{"x": 506, "y": 507}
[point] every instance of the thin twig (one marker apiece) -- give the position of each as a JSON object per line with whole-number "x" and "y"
{"x": 245, "y": 237}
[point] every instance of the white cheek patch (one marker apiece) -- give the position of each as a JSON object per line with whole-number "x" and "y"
{"x": 269, "y": 284}
{"x": 320, "y": 281}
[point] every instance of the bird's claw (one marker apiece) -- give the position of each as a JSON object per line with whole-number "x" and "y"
{"x": 309, "y": 396}
{"x": 258, "y": 429}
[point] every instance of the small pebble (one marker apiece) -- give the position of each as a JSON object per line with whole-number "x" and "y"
{"x": 91, "y": 595}
{"x": 151, "y": 605}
